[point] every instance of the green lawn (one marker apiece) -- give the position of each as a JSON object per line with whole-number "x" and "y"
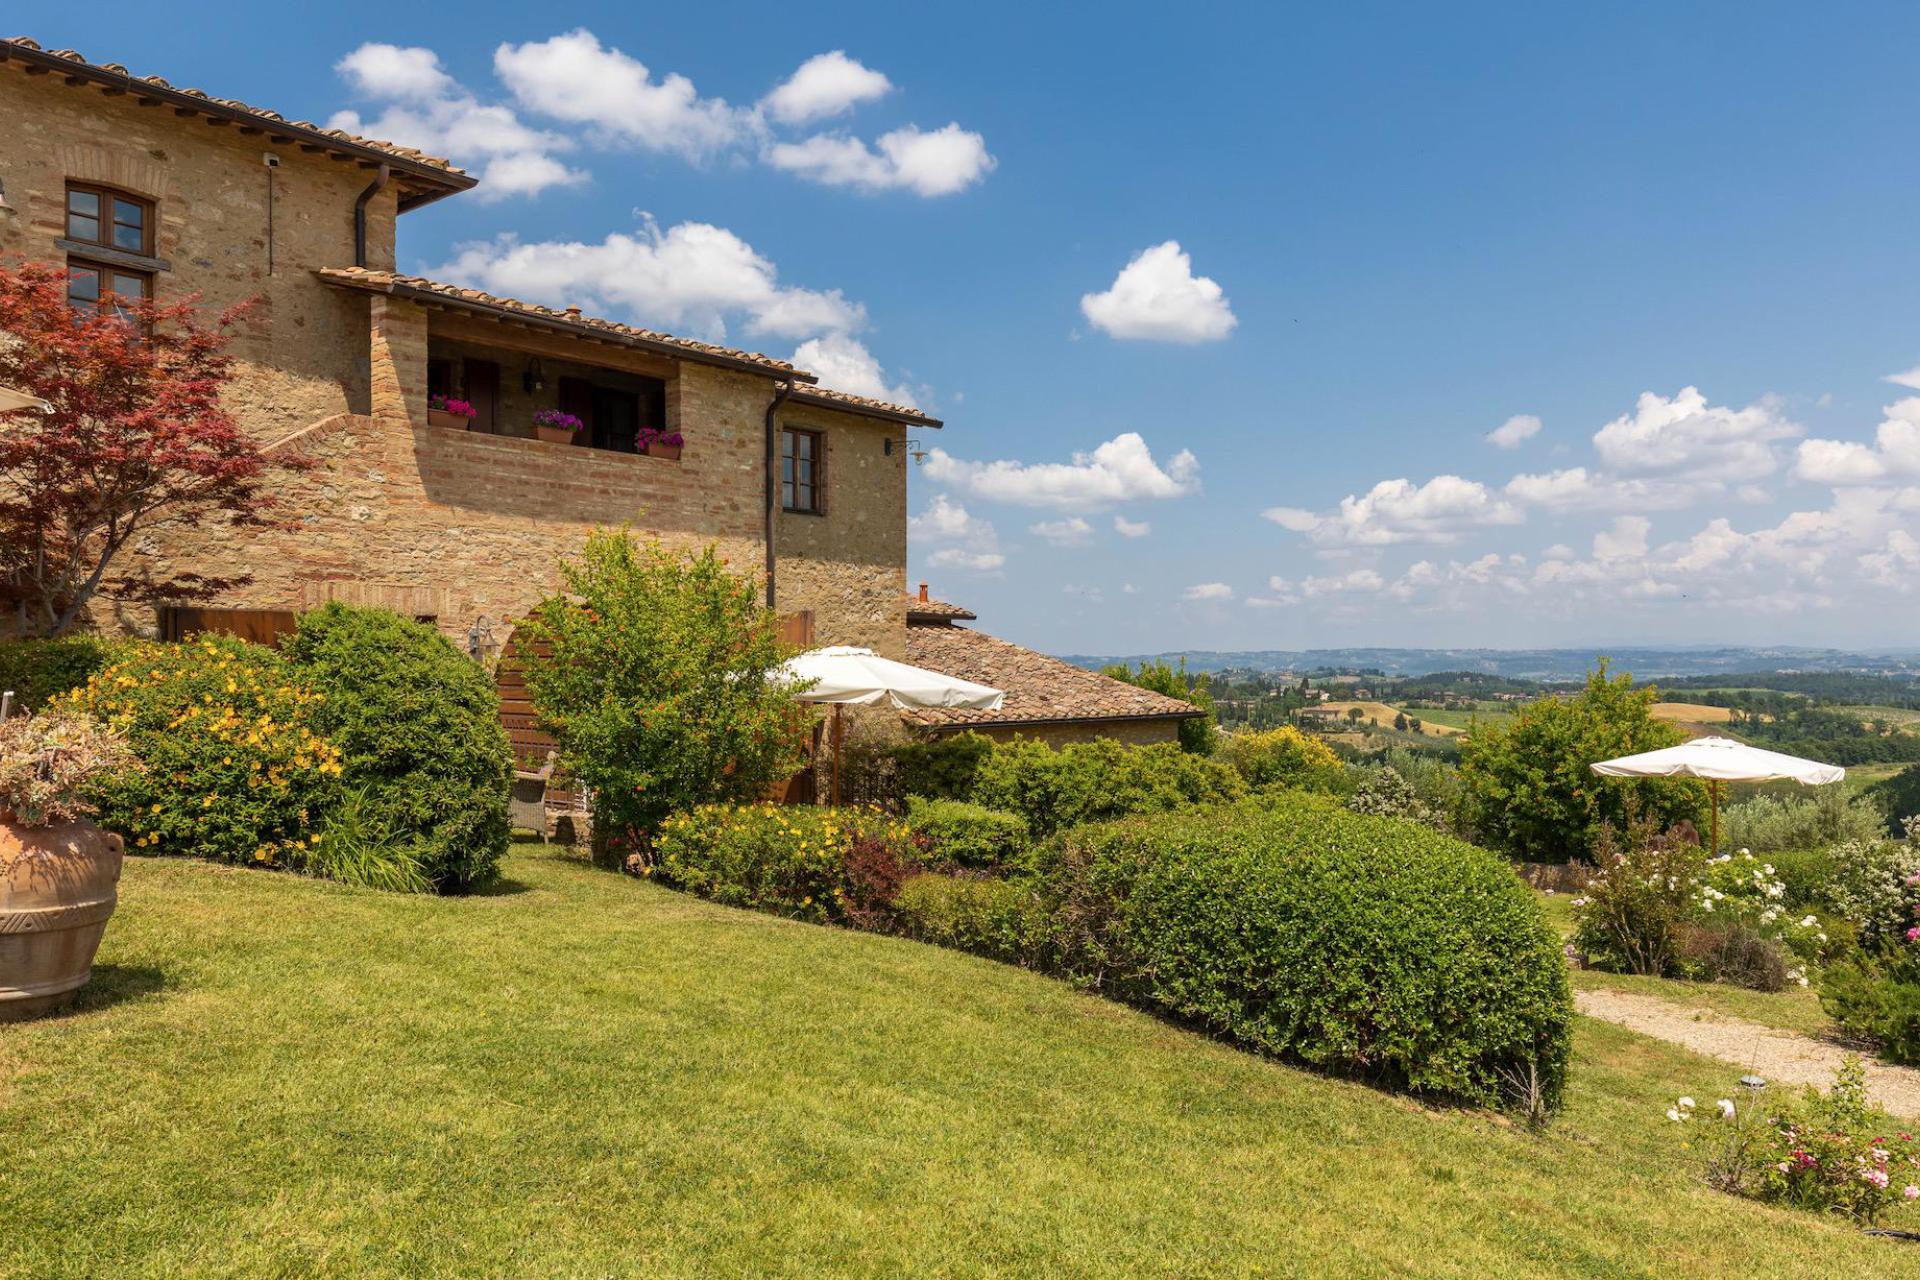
{"x": 585, "y": 1075}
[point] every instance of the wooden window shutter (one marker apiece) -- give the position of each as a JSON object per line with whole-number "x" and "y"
{"x": 796, "y": 629}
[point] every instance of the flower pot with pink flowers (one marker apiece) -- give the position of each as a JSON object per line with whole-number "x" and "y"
{"x": 657, "y": 442}
{"x": 445, "y": 411}
{"x": 59, "y": 873}
{"x": 556, "y": 427}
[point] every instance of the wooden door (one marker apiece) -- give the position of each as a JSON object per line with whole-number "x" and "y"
{"x": 261, "y": 626}
{"x": 616, "y": 420}
{"x": 483, "y": 393}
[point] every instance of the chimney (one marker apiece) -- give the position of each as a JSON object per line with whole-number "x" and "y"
{"x": 923, "y": 593}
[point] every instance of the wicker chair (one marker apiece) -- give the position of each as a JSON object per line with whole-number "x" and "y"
{"x": 527, "y": 802}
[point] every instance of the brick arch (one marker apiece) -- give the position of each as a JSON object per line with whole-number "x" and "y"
{"x": 135, "y": 173}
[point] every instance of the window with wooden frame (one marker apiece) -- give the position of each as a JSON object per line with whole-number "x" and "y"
{"x": 97, "y": 286}
{"x": 803, "y": 485}
{"x": 115, "y": 223}
{"x": 111, "y": 219}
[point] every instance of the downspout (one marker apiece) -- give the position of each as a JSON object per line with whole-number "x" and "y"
{"x": 374, "y": 188}
{"x": 780, "y": 393}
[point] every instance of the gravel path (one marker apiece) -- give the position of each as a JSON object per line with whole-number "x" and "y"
{"x": 1780, "y": 1057}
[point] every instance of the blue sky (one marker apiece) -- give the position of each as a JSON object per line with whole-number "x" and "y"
{"x": 1220, "y": 311}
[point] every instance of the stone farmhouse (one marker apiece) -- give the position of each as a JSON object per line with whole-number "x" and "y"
{"x": 138, "y": 187}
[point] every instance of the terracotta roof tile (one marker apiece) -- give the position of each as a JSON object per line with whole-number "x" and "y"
{"x": 29, "y": 51}
{"x": 937, "y": 610}
{"x": 473, "y": 299}
{"x": 861, "y": 404}
{"x": 1039, "y": 689}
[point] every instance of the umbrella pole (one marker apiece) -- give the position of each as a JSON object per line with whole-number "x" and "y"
{"x": 836, "y": 754}
{"x": 1713, "y": 787}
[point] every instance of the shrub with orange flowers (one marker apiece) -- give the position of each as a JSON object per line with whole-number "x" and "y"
{"x": 843, "y": 866}
{"x": 232, "y": 767}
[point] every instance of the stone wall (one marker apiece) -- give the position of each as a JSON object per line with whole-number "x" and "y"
{"x": 458, "y": 525}
{"x": 302, "y": 350}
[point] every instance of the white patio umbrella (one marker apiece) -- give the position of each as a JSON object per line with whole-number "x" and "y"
{"x": 11, "y": 399}
{"x": 843, "y": 675}
{"x": 1721, "y": 760}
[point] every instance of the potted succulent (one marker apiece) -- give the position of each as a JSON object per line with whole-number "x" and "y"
{"x": 556, "y": 427}
{"x": 444, "y": 411}
{"x": 58, "y": 871}
{"x": 658, "y": 442}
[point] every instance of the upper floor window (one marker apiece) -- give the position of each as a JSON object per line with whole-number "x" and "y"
{"x": 802, "y": 485}
{"x": 110, "y": 219}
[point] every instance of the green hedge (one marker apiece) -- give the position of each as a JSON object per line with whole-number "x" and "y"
{"x": 1878, "y": 1000}
{"x": 1056, "y": 788}
{"x": 988, "y": 917}
{"x": 1361, "y": 945}
{"x": 966, "y": 835}
{"x": 418, "y": 726}
{"x": 943, "y": 768}
{"x": 36, "y": 670}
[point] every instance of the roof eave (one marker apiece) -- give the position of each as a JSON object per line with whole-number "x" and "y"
{"x": 1058, "y": 720}
{"x": 908, "y": 417}
{"x": 186, "y": 104}
{"x": 578, "y": 329}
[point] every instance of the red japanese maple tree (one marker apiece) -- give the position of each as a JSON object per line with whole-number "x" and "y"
{"x": 135, "y": 440}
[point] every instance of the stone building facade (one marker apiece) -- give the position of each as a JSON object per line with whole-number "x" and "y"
{"x": 340, "y": 355}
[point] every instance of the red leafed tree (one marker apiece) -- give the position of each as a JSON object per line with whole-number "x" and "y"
{"x": 136, "y": 439}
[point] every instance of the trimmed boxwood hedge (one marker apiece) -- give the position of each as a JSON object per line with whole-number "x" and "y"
{"x": 1370, "y": 947}
{"x": 36, "y": 670}
{"x": 966, "y": 835}
{"x": 1054, "y": 788}
{"x": 418, "y": 726}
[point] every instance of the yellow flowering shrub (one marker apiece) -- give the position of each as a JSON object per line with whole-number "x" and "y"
{"x": 1283, "y": 757}
{"x": 840, "y": 865}
{"x": 232, "y": 768}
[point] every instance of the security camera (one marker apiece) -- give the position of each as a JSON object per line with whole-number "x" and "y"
{"x": 271, "y": 160}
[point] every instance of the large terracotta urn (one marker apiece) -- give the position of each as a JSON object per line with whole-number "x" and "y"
{"x": 58, "y": 887}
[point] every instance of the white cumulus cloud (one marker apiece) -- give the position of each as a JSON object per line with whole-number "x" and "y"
{"x": 1121, "y": 470}
{"x": 689, "y": 277}
{"x": 1894, "y": 453}
{"x": 844, "y": 364}
{"x": 1909, "y": 378}
{"x": 573, "y": 77}
{"x": 827, "y": 84}
{"x": 1073, "y": 531}
{"x": 1157, "y": 298}
{"x": 422, "y": 106}
{"x": 1208, "y": 591}
{"x": 939, "y": 162}
{"x": 1514, "y": 432}
{"x": 1394, "y": 511}
{"x": 1131, "y": 528}
{"x": 1684, "y": 435}
{"x": 960, "y": 539}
